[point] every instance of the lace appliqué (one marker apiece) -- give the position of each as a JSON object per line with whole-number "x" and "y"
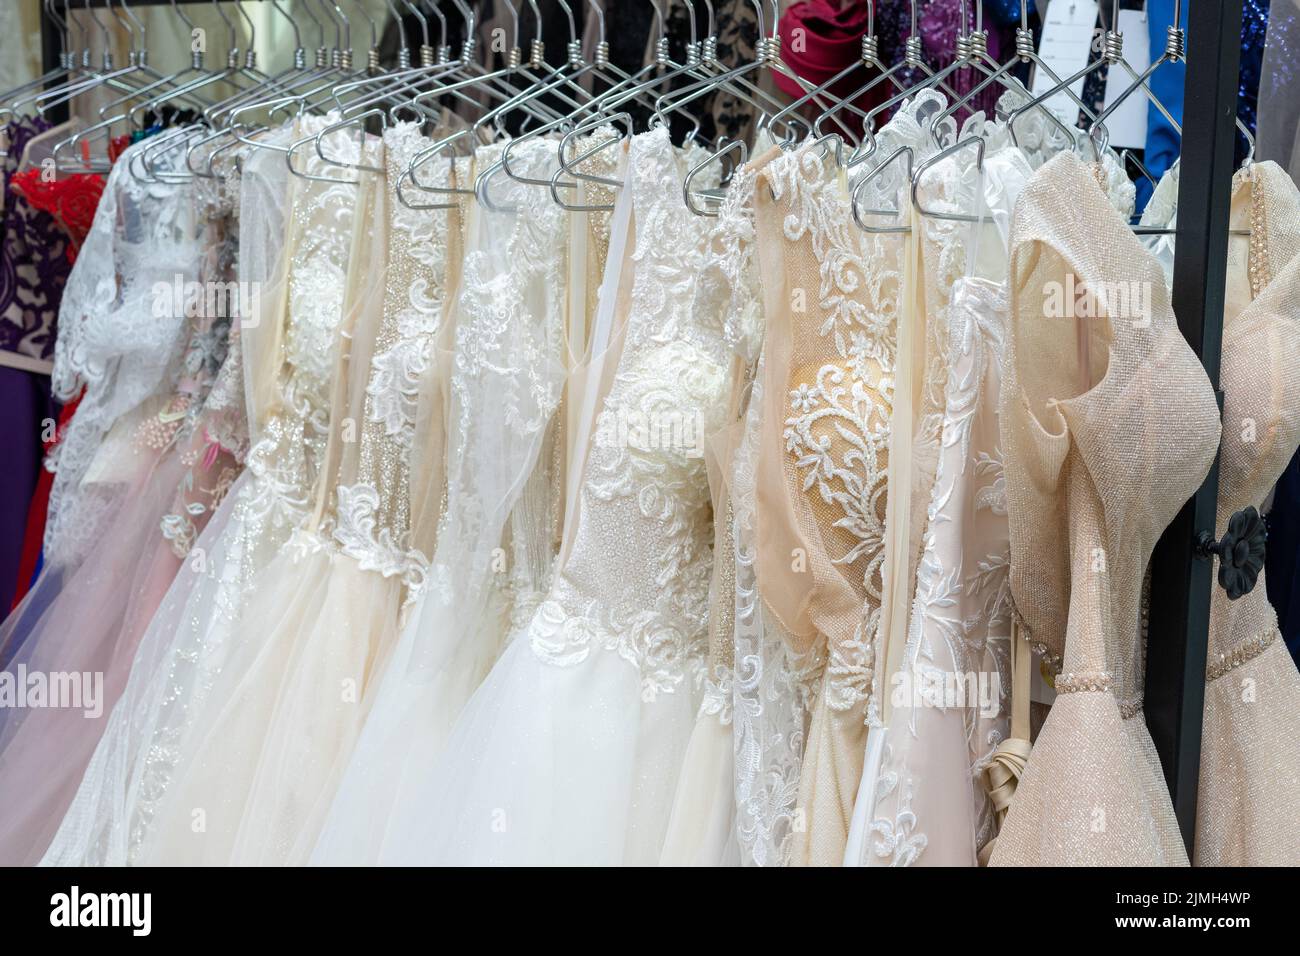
{"x": 375, "y": 549}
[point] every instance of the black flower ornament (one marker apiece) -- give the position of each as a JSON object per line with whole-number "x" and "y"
{"x": 1240, "y": 552}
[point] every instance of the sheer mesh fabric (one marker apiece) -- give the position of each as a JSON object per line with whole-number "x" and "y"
{"x": 503, "y": 376}
{"x": 111, "y": 342}
{"x": 428, "y": 457}
{"x": 830, "y": 294}
{"x": 288, "y": 690}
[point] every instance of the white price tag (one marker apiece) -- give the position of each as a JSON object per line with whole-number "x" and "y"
{"x": 1128, "y": 124}
{"x": 1067, "y": 40}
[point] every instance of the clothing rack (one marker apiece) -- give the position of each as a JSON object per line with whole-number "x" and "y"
{"x": 1182, "y": 569}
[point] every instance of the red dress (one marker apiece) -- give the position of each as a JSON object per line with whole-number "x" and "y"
{"x": 72, "y": 202}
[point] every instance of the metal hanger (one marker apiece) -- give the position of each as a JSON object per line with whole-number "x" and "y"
{"x": 259, "y": 86}
{"x": 712, "y": 195}
{"x": 117, "y": 78}
{"x": 1024, "y": 53}
{"x": 525, "y": 99}
{"x": 155, "y": 93}
{"x": 65, "y": 67}
{"x": 914, "y": 60}
{"x": 869, "y": 60}
{"x": 855, "y": 195}
{"x": 619, "y": 83}
{"x": 767, "y": 55}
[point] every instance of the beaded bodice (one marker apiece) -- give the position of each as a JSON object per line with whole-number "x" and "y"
{"x": 636, "y": 578}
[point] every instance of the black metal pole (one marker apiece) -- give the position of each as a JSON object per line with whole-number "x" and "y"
{"x": 1181, "y": 583}
{"x": 51, "y": 47}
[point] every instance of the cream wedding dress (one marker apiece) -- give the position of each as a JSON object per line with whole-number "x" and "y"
{"x": 326, "y": 614}
{"x": 295, "y": 236}
{"x": 568, "y": 752}
{"x": 505, "y": 373}
{"x": 927, "y": 804}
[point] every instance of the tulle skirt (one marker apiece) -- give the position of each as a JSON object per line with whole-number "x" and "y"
{"x": 78, "y": 630}
{"x": 406, "y": 730}
{"x": 702, "y": 829}
{"x": 550, "y": 765}
{"x": 178, "y": 659}
{"x": 263, "y": 758}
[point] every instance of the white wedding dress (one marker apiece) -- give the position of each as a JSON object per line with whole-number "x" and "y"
{"x": 295, "y": 236}
{"x": 702, "y": 830}
{"x": 569, "y": 751}
{"x": 506, "y": 374}
{"x": 927, "y": 802}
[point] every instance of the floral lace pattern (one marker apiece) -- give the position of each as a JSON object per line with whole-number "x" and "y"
{"x": 841, "y": 393}
{"x": 648, "y": 603}
{"x": 372, "y": 521}
{"x": 771, "y": 688}
{"x": 506, "y": 377}
{"x": 273, "y": 500}
{"x": 217, "y": 423}
{"x": 113, "y": 341}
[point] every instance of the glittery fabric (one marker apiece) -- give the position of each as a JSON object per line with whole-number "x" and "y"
{"x": 1249, "y": 792}
{"x": 1108, "y": 426}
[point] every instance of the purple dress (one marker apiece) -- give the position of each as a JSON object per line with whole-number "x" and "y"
{"x": 33, "y": 269}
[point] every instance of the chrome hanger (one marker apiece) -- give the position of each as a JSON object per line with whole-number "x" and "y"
{"x": 711, "y": 195}
{"x": 1024, "y": 53}
{"x": 767, "y": 54}
{"x": 855, "y": 195}
{"x": 65, "y": 66}
{"x": 930, "y": 161}
{"x": 914, "y": 60}
{"x": 869, "y": 59}
{"x": 570, "y": 167}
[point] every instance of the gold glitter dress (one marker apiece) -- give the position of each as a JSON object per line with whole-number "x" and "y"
{"x": 1108, "y": 425}
{"x": 1248, "y": 807}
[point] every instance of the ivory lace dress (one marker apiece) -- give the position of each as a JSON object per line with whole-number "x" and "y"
{"x": 298, "y": 254}
{"x": 255, "y": 773}
{"x": 1108, "y": 425}
{"x": 569, "y": 751}
{"x": 115, "y": 349}
{"x": 702, "y": 830}
{"x": 928, "y": 805}
{"x": 831, "y": 294}
{"x": 505, "y": 372}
